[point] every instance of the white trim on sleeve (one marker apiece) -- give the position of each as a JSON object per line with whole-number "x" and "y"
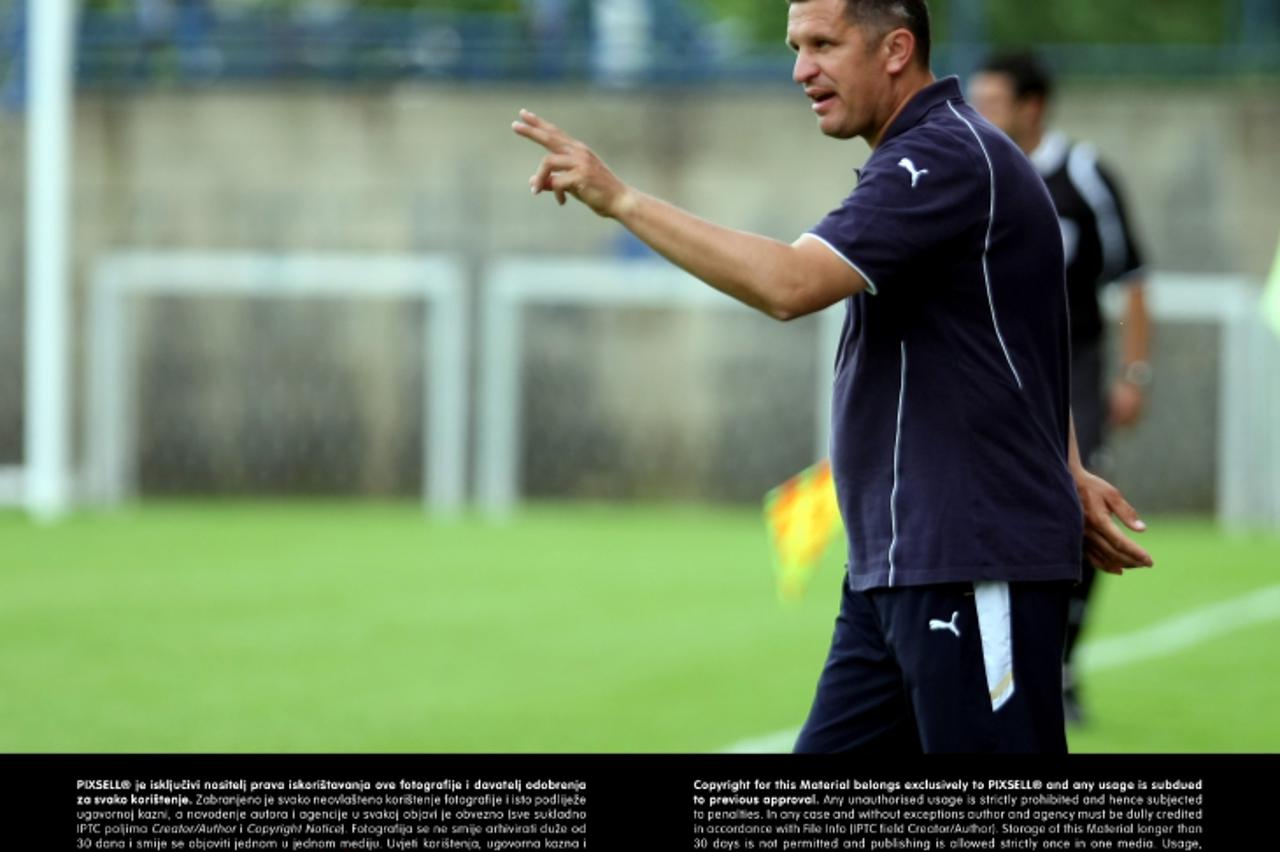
{"x": 871, "y": 285}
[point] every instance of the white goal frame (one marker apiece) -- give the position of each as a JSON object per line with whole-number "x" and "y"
{"x": 1248, "y": 403}
{"x": 514, "y": 283}
{"x": 438, "y": 280}
{"x": 41, "y": 479}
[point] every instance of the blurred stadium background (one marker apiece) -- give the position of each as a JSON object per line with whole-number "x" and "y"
{"x": 367, "y": 450}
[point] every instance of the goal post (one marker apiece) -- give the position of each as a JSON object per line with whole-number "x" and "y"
{"x": 43, "y": 481}
{"x": 438, "y": 281}
{"x": 1214, "y": 413}
{"x": 598, "y": 379}
{"x": 515, "y": 284}
{"x": 1245, "y": 403}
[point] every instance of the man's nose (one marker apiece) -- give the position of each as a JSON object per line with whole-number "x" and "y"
{"x": 805, "y": 68}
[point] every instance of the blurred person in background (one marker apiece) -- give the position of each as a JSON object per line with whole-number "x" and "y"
{"x": 1013, "y": 92}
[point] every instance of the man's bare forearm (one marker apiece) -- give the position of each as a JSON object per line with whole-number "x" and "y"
{"x": 783, "y": 281}
{"x": 763, "y": 273}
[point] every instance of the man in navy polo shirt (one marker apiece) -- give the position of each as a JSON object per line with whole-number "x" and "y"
{"x": 952, "y": 447}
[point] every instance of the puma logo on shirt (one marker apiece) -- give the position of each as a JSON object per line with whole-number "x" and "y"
{"x": 911, "y": 167}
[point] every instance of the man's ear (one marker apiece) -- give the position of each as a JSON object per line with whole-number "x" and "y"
{"x": 900, "y": 50}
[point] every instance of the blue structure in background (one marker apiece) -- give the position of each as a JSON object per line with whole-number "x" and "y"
{"x": 13, "y": 43}
{"x": 186, "y": 42}
{"x": 200, "y": 42}
{"x": 185, "y": 27}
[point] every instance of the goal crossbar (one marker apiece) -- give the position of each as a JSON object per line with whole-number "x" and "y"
{"x": 515, "y": 283}
{"x": 438, "y": 280}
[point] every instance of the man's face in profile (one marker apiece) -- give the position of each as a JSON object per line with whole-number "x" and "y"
{"x": 838, "y": 66}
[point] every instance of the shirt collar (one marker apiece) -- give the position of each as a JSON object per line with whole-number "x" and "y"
{"x": 1050, "y": 153}
{"x": 932, "y": 95}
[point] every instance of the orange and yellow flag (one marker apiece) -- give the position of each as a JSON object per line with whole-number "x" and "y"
{"x": 802, "y": 516}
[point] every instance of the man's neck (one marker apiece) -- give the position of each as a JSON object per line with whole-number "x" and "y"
{"x": 903, "y": 90}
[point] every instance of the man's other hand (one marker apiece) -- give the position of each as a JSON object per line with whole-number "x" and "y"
{"x": 1105, "y": 545}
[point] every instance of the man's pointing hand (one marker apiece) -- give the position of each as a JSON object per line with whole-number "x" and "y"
{"x": 571, "y": 168}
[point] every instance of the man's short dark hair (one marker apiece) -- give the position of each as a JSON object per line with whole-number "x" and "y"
{"x": 881, "y": 16}
{"x": 1029, "y": 75}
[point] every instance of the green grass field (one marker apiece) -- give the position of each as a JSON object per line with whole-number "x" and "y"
{"x": 348, "y": 627}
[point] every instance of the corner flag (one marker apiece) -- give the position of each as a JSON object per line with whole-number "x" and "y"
{"x": 801, "y": 515}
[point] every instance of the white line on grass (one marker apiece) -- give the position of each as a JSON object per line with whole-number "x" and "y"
{"x": 1160, "y": 640}
{"x": 1182, "y": 631}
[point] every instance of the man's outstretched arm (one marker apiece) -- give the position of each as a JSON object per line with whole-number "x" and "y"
{"x": 784, "y": 281}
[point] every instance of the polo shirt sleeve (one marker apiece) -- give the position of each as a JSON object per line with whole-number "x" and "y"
{"x": 908, "y": 205}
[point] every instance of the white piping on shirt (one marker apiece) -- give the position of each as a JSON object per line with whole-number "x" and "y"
{"x": 897, "y": 465}
{"x": 986, "y": 248}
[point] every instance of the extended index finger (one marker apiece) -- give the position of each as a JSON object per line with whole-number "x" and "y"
{"x": 541, "y": 131}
